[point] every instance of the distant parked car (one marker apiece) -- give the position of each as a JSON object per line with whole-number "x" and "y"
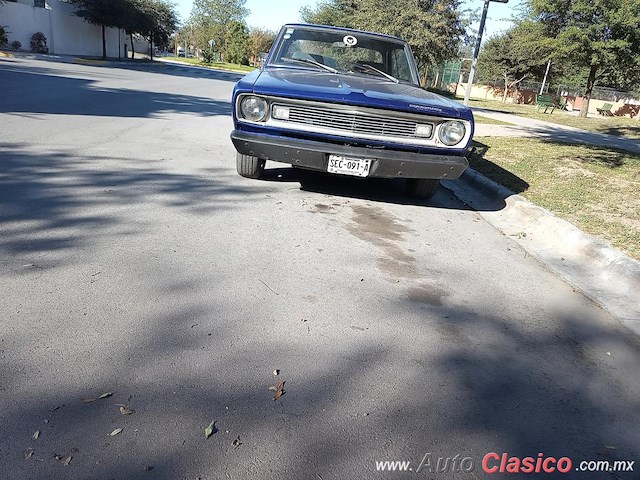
{"x": 348, "y": 102}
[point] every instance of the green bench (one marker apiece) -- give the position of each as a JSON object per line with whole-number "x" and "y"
{"x": 606, "y": 110}
{"x": 546, "y": 102}
{"x": 561, "y": 104}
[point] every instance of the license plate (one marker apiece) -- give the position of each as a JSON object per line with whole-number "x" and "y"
{"x": 358, "y": 167}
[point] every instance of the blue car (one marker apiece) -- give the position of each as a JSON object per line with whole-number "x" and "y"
{"x": 348, "y": 102}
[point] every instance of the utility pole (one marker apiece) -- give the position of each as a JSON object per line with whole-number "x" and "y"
{"x": 544, "y": 81}
{"x": 476, "y": 51}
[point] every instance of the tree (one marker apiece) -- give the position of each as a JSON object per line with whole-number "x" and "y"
{"x": 237, "y": 48}
{"x": 220, "y": 11}
{"x": 157, "y": 21}
{"x": 186, "y": 35}
{"x": 260, "y": 40}
{"x": 154, "y": 19}
{"x": 211, "y": 19}
{"x": 339, "y": 13}
{"x": 602, "y": 35}
{"x": 514, "y": 56}
{"x": 433, "y": 28}
{"x": 106, "y": 13}
{"x": 134, "y": 22}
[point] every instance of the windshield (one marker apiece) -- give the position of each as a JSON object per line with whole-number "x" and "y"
{"x": 341, "y": 51}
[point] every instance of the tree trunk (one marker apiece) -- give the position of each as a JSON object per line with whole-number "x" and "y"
{"x": 104, "y": 44}
{"x": 506, "y": 89}
{"x": 587, "y": 94}
{"x": 151, "y": 46}
{"x": 133, "y": 50}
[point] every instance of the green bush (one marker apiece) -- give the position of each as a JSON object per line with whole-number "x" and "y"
{"x": 208, "y": 56}
{"x": 16, "y": 45}
{"x": 39, "y": 43}
{"x": 3, "y": 36}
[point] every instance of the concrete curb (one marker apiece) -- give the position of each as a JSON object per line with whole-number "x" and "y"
{"x": 602, "y": 273}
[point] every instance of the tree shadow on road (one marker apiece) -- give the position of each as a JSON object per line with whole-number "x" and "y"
{"x": 57, "y": 202}
{"x": 464, "y": 383}
{"x": 53, "y": 94}
{"x": 169, "y": 68}
{"x": 411, "y": 374}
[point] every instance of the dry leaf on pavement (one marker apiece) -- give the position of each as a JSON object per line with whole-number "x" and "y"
{"x": 279, "y": 390}
{"x": 115, "y": 432}
{"x": 210, "y": 430}
{"x": 36, "y": 435}
{"x": 28, "y": 453}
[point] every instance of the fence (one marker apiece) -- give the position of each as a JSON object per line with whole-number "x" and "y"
{"x": 603, "y": 93}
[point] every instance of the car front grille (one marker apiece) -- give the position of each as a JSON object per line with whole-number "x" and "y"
{"x": 351, "y": 121}
{"x": 339, "y": 120}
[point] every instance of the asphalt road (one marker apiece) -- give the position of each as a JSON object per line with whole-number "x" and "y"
{"x": 133, "y": 260}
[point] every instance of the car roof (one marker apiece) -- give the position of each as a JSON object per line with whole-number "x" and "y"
{"x": 346, "y": 30}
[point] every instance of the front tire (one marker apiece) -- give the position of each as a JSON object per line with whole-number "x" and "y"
{"x": 249, "y": 166}
{"x": 424, "y": 188}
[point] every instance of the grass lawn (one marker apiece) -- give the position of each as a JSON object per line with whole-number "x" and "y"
{"x": 220, "y": 65}
{"x": 594, "y": 188}
{"x": 619, "y": 126}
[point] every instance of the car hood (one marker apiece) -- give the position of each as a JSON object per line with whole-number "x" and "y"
{"x": 367, "y": 91}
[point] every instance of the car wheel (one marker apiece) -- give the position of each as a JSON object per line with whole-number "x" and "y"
{"x": 249, "y": 166}
{"x": 422, "y": 187}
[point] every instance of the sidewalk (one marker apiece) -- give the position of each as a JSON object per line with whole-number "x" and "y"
{"x": 601, "y": 272}
{"x": 527, "y": 127}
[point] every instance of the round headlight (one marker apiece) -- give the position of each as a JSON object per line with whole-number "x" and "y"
{"x": 253, "y": 108}
{"x": 452, "y": 132}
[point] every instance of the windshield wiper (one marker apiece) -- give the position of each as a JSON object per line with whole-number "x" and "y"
{"x": 310, "y": 62}
{"x": 366, "y": 66}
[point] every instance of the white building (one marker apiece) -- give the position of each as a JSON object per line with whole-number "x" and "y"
{"x": 66, "y": 33}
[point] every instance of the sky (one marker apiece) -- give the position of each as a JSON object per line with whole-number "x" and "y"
{"x": 272, "y": 14}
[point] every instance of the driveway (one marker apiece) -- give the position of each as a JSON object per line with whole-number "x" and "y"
{"x": 135, "y": 263}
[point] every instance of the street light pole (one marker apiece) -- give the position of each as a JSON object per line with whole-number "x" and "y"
{"x": 476, "y": 51}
